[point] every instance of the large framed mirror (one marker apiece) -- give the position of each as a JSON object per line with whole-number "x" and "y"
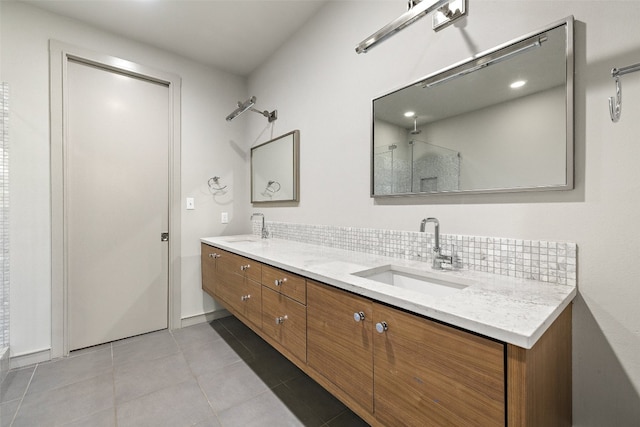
{"x": 499, "y": 122}
{"x": 275, "y": 174}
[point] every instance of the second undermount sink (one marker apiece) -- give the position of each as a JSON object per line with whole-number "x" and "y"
{"x": 415, "y": 280}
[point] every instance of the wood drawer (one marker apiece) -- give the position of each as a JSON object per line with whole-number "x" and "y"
{"x": 286, "y": 283}
{"x": 241, "y": 296}
{"x": 285, "y": 321}
{"x": 232, "y": 263}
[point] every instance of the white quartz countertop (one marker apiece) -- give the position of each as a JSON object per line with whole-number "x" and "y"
{"x": 516, "y": 311}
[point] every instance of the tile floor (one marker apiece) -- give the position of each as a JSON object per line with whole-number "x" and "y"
{"x": 211, "y": 374}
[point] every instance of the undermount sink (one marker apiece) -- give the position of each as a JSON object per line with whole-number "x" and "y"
{"x": 242, "y": 239}
{"x": 414, "y": 280}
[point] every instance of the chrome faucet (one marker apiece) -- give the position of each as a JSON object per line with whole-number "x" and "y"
{"x": 438, "y": 258}
{"x": 265, "y": 232}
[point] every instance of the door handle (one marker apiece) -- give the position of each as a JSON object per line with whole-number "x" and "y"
{"x": 164, "y": 237}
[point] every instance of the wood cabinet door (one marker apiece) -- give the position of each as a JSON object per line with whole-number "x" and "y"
{"x": 338, "y": 346}
{"x": 290, "y": 284}
{"x": 285, "y": 320}
{"x": 429, "y": 374}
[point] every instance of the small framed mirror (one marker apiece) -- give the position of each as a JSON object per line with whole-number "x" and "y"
{"x": 501, "y": 121}
{"x": 275, "y": 174}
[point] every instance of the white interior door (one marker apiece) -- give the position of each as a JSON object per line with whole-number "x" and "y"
{"x": 116, "y": 205}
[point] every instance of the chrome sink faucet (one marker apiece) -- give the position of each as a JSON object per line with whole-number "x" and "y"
{"x": 438, "y": 258}
{"x": 265, "y": 232}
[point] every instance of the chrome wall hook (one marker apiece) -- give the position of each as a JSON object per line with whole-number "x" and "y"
{"x": 615, "y": 103}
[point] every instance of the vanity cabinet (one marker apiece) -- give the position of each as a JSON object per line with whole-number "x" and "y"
{"x": 340, "y": 340}
{"x": 391, "y": 367}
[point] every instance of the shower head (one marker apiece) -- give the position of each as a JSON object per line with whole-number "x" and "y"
{"x": 242, "y": 107}
{"x": 248, "y": 105}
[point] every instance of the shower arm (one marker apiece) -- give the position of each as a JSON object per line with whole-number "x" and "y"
{"x": 271, "y": 116}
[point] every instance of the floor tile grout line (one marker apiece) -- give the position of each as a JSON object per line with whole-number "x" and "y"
{"x": 215, "y": 413}
{"x": 328, "y": 422}
{"x": 239, "y": 340}
{"x": 15, "y": 414}
{"x": 113, "y": 382}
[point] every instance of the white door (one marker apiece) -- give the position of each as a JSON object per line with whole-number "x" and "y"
{"x": 116, "y": 205}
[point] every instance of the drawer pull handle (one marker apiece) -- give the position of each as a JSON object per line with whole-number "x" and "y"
{"x": 280, "y": 320}
{"x": 381, "y": 327}
{"x": 358, "y": 316}
{"x": 279, "y": 282}
{"x": 245, "y": 297}
{"x": 244, "y": 267}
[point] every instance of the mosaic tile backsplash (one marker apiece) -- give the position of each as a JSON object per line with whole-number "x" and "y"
{"x": 553, "y": 262}
{"x": 4, "y": 215}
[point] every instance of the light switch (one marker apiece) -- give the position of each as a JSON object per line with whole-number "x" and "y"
{"x": 224, "y": 217}
{"x": 191, "y": 204}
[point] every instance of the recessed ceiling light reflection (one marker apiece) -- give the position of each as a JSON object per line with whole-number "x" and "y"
{"x": 409, "y": 114}
{"x": 518, "y": 84}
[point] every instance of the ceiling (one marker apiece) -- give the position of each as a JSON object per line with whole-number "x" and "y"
{"x": 232, "y": 35}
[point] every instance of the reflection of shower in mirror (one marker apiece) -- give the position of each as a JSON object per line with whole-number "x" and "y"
{"x": 271, "y": 188}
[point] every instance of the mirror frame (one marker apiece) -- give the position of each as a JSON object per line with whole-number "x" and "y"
{"x": 295, "y": 159}
{"x": 568, "y": 22}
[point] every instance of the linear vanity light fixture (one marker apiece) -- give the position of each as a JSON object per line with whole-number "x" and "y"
{"x": 417, "y": 9}
{"x": 248, "y": 106}
{"x": 513, "y": 50}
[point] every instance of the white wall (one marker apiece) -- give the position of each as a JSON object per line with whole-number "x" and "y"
{"x": 320, "y": 86}
{"x": 210, "y": 146}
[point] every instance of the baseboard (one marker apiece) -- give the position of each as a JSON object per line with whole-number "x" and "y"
{"x": 22, "y": 360}
{"x": 205, "y": 317}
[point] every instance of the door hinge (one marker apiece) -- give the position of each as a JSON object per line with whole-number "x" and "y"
{"x": 164, "y": 237}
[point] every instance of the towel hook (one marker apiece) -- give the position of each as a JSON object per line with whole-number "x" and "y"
{"x": 615, "y": 104}
{"x": 215, "y": 186}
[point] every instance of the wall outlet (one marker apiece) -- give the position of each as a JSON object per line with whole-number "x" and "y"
{"x": 224, "y": 217}
{"x": 191, "y": 203}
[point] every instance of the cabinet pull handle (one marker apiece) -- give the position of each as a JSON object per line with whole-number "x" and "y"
{"x": 279, "y": 282}
{"x": 280, "y": 320}
{"x": 381, "y": 327}
{"x": 214, "y": 255}
{"x": 358, "y": 316}
{"x": 245, "y": 297}
{"x": 244, "y": 267}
